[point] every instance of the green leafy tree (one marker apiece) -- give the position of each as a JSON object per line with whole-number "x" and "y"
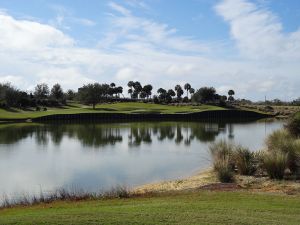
{"x": 204, "y": 95}
{"x": 41, "y": 91}
{"x": 57, "y": 92}
{"x": 92, "y": 93}
{"x": 70, "y": 95}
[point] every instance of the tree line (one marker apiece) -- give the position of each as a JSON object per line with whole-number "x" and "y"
{"x": 95, "y": 93}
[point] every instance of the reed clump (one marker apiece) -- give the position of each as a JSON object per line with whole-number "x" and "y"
{"x": 64, "y": 194}
{"x": 280, "y": 159}
{"x": 245, "y": 161}
{"x": 222, "y": 153}
{"x": 282, "y": 142}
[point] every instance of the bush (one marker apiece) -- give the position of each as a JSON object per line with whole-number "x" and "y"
{"x": 279, "y": 139}
{"x": 293, "y": 125}
{"x": 224, "y": 170}
{"x": 221, "y": 150}
{"x": 275, "y": 164}
{"x": 222, "y": 160}
{"x": 282, "y": 141}
{"x": 244, "y": 160}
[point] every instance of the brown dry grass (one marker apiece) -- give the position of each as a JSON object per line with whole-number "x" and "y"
{"x": 208, "y": 180}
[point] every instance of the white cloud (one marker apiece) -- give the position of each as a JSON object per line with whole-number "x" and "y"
{"x": 258, "y": 32}
{"x": 137, "y": 4}
{"x": 120, "y": 9}
{"x": 137, "y": 48}
{"x": 65, "y": 18}
{"x": 67, "y": 77}
{"x": 84, "y": 21}
{"x": 159, "y": 35}
{"x": 28, "y": 35}
{"x": 126, "y": 74}
{"x": 13, "y": 80}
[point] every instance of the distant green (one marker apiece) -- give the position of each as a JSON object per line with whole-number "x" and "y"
{"x": 128, "y": 107}
{"x": 183, "y": 208}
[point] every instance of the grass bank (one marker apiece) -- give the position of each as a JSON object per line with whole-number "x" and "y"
{"x": 128, "y": 107}
{"x": 200, "y": 207}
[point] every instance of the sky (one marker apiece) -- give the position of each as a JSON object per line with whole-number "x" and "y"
{"x": 251, "y": 46}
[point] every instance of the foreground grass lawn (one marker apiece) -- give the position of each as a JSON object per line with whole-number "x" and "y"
{"x": 128, "y": 107}
{"x": 185, "y": 208}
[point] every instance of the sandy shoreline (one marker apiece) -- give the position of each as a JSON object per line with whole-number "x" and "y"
{"x": 207, "y": 180}
{"x": 191, "y": 182}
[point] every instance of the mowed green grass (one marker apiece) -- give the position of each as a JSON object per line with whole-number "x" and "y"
{"x": 184, "y": 208}
{"x": 130, "y": 107}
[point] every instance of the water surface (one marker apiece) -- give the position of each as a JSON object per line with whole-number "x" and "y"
{"x": 93, "y": 156}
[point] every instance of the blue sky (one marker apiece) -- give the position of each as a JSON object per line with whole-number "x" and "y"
{"x": 251, "y": 46}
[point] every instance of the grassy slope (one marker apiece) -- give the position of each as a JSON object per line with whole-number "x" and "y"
{"x": 185, "y": 208}
{"x": 108, "y": 108}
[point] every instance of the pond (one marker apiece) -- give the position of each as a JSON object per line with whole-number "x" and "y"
{"x": 92, "y": 156}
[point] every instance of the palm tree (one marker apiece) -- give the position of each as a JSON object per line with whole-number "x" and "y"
{"x": 130, "y": 85}
{"x": 231, "y": 93}
{"x": 187, "y": 87}
{"x": 137, "y": 89}
{"x": 162, "y": 94}
{"x": 192, "y": 91}
{"x": 119, "y": 90}
{"x": 130, "y": 92}
{"x": 170, "y": 94}
{"x": 148, "y": 90}
{"x": 179, "y": 91}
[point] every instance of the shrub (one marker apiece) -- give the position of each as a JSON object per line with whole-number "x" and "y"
{"x": 279, "y": 140}
{"x": 282, "y": 141}
{"x": 244, "y": 160}
{"x": 275, "y": 164}
{"x": 222, "y": 160}
{"x": 224, "y": 170}
{"x": 221, "y": 150}
{"x": 293, "y": 125}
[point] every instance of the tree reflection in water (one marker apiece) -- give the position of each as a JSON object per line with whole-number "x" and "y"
{"x": 99, "y": 135}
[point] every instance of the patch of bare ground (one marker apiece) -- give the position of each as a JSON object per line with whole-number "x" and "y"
{"x": 265, "y": 184}
{"x": 207, "y": 180}
{"x": 192, "y": 182}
